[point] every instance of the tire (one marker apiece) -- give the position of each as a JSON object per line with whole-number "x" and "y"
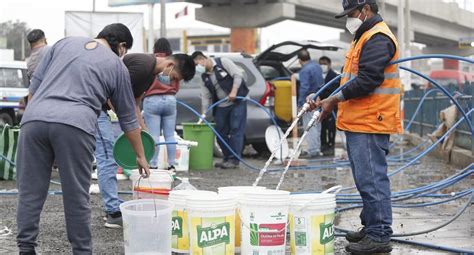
{"x": 5, "y": 118}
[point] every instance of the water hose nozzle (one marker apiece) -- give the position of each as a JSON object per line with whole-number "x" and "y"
{"x": 313, "y": 120}
{"x": 304, "y": 109}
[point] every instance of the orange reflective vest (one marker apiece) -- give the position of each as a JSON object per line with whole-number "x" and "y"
{"x": 378, "y": 112}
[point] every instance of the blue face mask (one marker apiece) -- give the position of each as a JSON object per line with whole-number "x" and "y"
{"x": 200, "y": 69}
{"x": 165, "y": 79}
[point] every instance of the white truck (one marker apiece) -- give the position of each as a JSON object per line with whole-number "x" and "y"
{"x": 13, "y": 87}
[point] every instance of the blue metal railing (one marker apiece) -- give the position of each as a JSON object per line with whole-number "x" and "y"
{"x": 427, "y": 119}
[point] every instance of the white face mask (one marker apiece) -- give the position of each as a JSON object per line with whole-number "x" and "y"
{"x": 353, "y": 24}
{"x": 325, "y": 68}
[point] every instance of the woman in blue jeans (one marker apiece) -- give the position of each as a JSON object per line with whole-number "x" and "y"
{"x": 159, "y": 107}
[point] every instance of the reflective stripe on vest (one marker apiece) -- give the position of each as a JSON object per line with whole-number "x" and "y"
{"x": 386, "y": 91}
{"x": 388, "y": 76}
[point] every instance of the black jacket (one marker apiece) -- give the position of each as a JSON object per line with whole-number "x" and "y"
{"x": 327, "y": 92}
{"x": 374, "y": 57}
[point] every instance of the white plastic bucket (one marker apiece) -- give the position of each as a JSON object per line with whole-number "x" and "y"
{"x": 182, "y": 156}
{"x": 212, "y": 224}
{"x": 237, "y": 191}
{"x": 264, "y": 216}
{"x": 179, "y": 228}
{"x": 147, "y": 226}
{"x": 311, "y": 224}
{"x": 157, "y": 185}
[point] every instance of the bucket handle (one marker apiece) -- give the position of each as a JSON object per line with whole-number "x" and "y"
{"x": 137, "y": 184}
{"x": 247, "y": 226}
{"x": 336, "y": 189}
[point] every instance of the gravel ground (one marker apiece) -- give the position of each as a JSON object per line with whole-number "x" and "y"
{"x": 53, "y": 239}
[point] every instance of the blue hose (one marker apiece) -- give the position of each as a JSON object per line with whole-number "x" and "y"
{"x": 445, "y": 92}
{"x": 272, "y": 117}
{"x": 431, "y": 56}
{"x": 422, "y": 100}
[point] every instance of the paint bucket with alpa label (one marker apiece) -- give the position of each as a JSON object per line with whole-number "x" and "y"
{"x": 264, "y": 217}
{"x": 212, "y": 224}
{"x": 179, "y": 223}
{"x": 312, "y": 223}
{"x": 237, "y": 191}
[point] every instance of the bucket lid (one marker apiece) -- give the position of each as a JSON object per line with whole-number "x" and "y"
{"x": 178, "y": 197}
{"x": 124, "y": 154}
{"x": 273, "y": 136}
{"x": 211, "y": 202}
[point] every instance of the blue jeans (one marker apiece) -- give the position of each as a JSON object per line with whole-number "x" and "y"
{"x": 106, "y": 166}
{"x": 367, "y": 154}
{"x": 160, "y": 114}
{"x": 230, "y": 124}
{"x": 314, "y": 135}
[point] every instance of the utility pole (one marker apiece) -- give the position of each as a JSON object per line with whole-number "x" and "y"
{"x": 408, "y": 34}
{"x": 22, "y": 46}
{"x": 401, "y": 27}
{"x": 93, "y": 5}
{"x": 382, "y": 5}
{"x": 151, "y": 32}
{"x": 163, "y": 18}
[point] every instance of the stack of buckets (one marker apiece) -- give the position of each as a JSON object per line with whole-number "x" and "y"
{"x": 249, "y": 220}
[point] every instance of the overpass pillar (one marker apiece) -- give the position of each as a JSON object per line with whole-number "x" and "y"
{"x": 243, "y": 39}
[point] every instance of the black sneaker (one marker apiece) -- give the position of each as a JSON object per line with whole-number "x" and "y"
{"x": 171, "y": 168}
{"x": 368, "y": 246}
{"x": 230, "y": 164}
{"x": 219, "y": 164}
{"x": 307, "y": 155}
{"x": 114, "y": 220}
{"x": 355, "y": 236}
{"x": 27, "y": 253}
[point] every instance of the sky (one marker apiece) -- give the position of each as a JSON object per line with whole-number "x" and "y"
{"x": 48, "y": 15}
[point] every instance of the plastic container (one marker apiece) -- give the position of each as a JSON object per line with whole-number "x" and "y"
{"x": 312, "y": 224}
{"x": 157, "y": 185}
{"x": 124, "y": 154}
{"x": 212, "y": 224}
{"x": 185, "y": 185}
{"x": 181, "y": 163}
{"x": 237, "y": 191}
{"x": 264, "y": 216}
{"x": 283, "y": 105}
{"x": 180, "y": 226}
{"x": 147, "y": 226}
{"x": 200, "y": 157}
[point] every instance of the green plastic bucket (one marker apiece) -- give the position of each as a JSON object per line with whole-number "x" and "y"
{"x": 202, "y": 156}
{"x": 124, "y": 154}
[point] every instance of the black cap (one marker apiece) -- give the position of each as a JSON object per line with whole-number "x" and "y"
{"x": 350, "y": 5}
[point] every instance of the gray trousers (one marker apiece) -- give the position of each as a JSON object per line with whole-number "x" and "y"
{"x": 40, "y": 143}
{"x": 313, "y": 139}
